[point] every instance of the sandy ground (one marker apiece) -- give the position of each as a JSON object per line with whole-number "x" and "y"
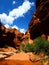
{"x": 18, "y": 62}
{"x": 18, "y": 59}
{"x": 19, "y": 56}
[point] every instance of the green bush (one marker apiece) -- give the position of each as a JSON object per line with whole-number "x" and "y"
{"x": 46, "y": 47}
{"x": 27, "y": 47}
{"x": 39, "y": 45}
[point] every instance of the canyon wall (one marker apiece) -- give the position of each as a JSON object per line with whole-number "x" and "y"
{"x": 40, "y": 21}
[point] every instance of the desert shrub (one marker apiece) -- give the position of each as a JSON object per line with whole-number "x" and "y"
{"x": 27, "y": 47}
{"x": 39, "y": 45}
{"x": 46, "y": 47}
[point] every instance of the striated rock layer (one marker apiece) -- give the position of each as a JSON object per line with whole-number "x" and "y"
{"x": 40, "y": 21}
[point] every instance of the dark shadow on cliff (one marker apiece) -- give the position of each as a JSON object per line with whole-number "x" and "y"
{"x": 40, "y": 21}
{"x": 6, "y": 38}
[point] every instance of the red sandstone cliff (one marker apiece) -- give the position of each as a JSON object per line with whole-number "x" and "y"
{"x": 40, "y": 21}
{"x": 10, "y": 37}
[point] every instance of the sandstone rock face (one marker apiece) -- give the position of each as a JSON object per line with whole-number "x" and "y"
{"x": 26, "y": 38}
{"x": 38, "y": 2}
{"x": 40, "y": 21}
{"x": 10, "y": 37}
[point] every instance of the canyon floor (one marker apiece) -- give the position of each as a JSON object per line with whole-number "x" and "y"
{"x": 18, "y": 59}
{"x": 18, "y": 62}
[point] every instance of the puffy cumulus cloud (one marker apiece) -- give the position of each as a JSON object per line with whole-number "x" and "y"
{"x": 8, "y": 20}
{"x": 7, "y": 26}
{"x": 5, "y": 19}
{"x": 22, "y": 30}
{"x": 14, "y": 2}
{"x": 16, "y": 13}
{"x": 21, "y": 10}
{"x": 15, "y": 27}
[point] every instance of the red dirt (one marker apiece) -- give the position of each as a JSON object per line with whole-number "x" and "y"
{"x": 19, "y": 56}
{"x": 18, "y": 59}
{"x": 18, "y": 62}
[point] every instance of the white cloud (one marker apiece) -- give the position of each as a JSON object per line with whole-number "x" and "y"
{"x": 33, "y": 3}
{"x": 21, "y": 10}
{"x": 7, "y": 20}
{"x": 22, "y": 30}
{"x": 7, "y": 26}
{"x": 14, "y": 2}
{"x": 15, "y": 27}
{"x": 3, "y": 18}
{"x": 16, "y": 13}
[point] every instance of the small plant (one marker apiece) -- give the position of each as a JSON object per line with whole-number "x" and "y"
{"x": 39, "y": 45}
{"x": 27, "y": 47}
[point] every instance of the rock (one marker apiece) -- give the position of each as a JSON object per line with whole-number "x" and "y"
{"x": 8, "y": 49}
{"x": 34, "y": 58}
{"x": 38, "y": 2}
{"x": 40, "y": 21}
{"x": 10, "y": 37}
{"x": 26, "y": 38}
{"x": 43, "y": 36}
{"x": 2, "y": 56}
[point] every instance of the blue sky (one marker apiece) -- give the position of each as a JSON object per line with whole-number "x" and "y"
{"x": 17, "y": 13}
